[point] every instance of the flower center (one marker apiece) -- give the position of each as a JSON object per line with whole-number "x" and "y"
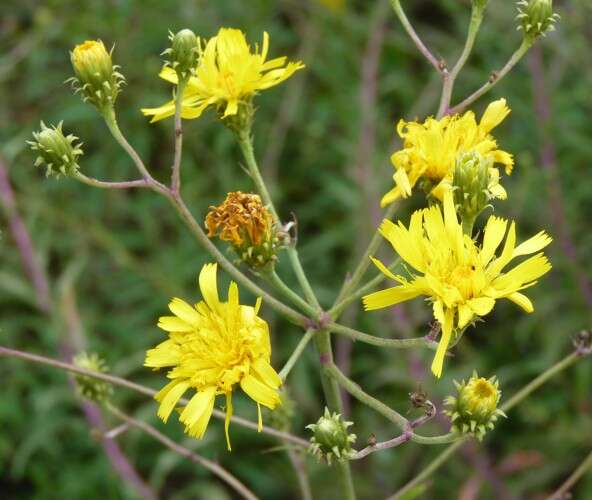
{"x": 463, "y": 279}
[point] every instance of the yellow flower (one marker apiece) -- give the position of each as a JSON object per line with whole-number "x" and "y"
{"x": 213, "y": 346}
{"x": 462, "y": 279}
{"x": 430, "y": 150}
{"x": 227, "y": 74}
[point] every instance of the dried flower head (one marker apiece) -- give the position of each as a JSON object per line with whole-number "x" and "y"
{"x": 244, "y": 222}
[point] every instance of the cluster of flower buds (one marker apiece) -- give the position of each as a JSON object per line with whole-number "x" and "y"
{"x": 470, "y": 184}
{"x": 183, "y": 53}
{"x": 474, "y": 411}
{"x": 57, "y": 152}
{"x": 89, "y": 387}
{"x": 96, "y": 77}
{"x": 536, "y": 17}
{"x": 244, "y": 222}
{"x": 331, "y": 438}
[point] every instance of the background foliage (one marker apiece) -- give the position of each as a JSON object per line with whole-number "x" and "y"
{"x": 324, "y": 139}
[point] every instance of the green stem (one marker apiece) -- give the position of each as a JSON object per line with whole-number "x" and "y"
{"x": 213, "y": 467}
{"x": 572, "y": 479}
{"x": 364, "y": 262}
{"x": 176, "y": 170}
{"x": 450, "y": 78}
{"x": 141, "y": 389}
{"x": 90, "y": 181}
{"x": 396, "y": 4}
{"x": 508, "y": 405}
{"x": 296, "y": 353}
{"x": 281, "y": 287}
{"x": 246, "y": 146}
{"x": 340, "y": 306}
{"x": 333, "y": 399}
{"x": 379, "y": 341}
{"x": 495, "y": 77}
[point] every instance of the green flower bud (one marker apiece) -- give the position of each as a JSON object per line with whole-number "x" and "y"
{"x": 57, "y": 152}
{"x": 536, "y": 17}
{"x": 96, "y": 77}
{"x": 474, "y": 411}
{"x": 331, "y": 438}
{"x": 184, "y": 52}
{"x": 470, "y": 183}
{"x": 89, "y": 387}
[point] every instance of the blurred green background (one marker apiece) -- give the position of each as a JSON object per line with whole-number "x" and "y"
{"x": 323, "y": 138}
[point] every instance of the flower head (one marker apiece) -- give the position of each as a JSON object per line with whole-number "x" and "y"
{"x": 184, "y": 52}
{"x": 461, "y": 278}
{"x": 474, "y": 410}
{"x": 430, "y": 151}
{"x": 331, "y": 438}
{"x": 228, "y": 74}
{"x": 57, "y": 152}
{"x": 248, "y": 226}
{"x": 536, "y": 17}
{"x": 96, "y": 76}
{"x": 212, "y": 347}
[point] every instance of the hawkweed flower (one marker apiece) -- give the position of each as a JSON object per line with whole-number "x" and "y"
{"x": 331, "y": 438}
{"x": 244, "y": 222}
{"x": 430, "y": 151}
{"x": 474, "y": 411}
{"x": 96, "y": 77}
{"x": 58, "y": 152}
{"x": 461, "y": 278}
{"x": 227, "y": 77}
{"x": 90, "y": 387}
{"x": 212, "y": 347}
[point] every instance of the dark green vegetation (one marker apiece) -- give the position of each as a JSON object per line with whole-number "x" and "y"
{"x": 323, "y": 138}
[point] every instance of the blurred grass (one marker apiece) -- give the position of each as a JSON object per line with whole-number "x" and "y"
{"x": 134, "y": 253}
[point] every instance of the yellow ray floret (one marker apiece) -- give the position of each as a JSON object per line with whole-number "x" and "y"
{"x": 213, "y": 347}
{"x": 462, "y": 279}
{"x": 227, "y": 74}
{"x": 430, "y": 150}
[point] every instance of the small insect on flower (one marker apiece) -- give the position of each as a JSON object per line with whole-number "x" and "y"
{"x": 461, "y": 278}
{"x": 227, "y": 76}
{"x": 430, "y": 151}
{"x": 212, "y": 347}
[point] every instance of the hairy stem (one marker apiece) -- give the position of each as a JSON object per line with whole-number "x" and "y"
{"x": 299, "y": 466}
{"x": 246, "y": 146}
{"x": 396, "y": 4}
{"x": 213, "y": 467}
{"x": 494, "y": 78}
{"x": 382, "y": 342}
{"x": 284, "y": 289}
{"x": 449, "y": 79}
{"x": 121, "y": 382}
{"x": 299, "y": 349}
{"x": 138, "y": 183}
{"x": 176, "y": 171}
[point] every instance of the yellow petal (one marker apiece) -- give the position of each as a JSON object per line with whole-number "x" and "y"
{"x": 168, "y": 397}
{"x": 447, "y": 316}
{"x": 383, "y": 269}
{"x": 495, "y": 229}
{"x": 532, "y": 245}
{"x": 402, "y": 181}
{"x": 227, "y": 419}
{"x": 402, "y": 243}
{"x": 266, "y": 373}
{"x": 209, "y": 285}
{"x": 198, "y": 411}
{"x": 465, "y": 315}
{"x": 481, "y": 305}
{"x": 525, "y": 272}
{"x": 173, "y": 324}
{"x": 164, "y": 354}
{"x": 522, "y": 300}
{"x": 260, "y": 392}
{"x": 389, "y": 297}
{"x": 495, "y": 113}
{"x": 184, "y": 311}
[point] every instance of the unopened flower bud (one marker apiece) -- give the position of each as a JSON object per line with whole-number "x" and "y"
{"x": 91, "y": 388}
{"x": 184, "y": 52}
{"x": 474, "y": 411}
{"x": 536, "y": 17}
{"x": 331, "y": 438}
{"x": 248, "y": 226}
{"x": 57, "y": 152}
{"x": 470, "y": 183}
{"x": 96, "y": 77}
